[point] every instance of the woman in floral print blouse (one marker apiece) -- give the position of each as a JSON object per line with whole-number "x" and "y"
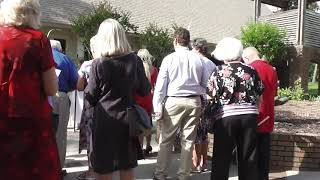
{"x": 237, "y": 88}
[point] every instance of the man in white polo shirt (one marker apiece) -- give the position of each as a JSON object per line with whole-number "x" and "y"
{"x": 181, "y": 80}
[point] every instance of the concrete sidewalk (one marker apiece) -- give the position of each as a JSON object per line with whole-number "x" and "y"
{"x": 77, "y": 163}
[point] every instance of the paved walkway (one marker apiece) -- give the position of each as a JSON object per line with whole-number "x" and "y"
{"x": 77, "y": 163}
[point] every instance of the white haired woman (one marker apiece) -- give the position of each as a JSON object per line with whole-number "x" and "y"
{"x": 146, "y": 102}
{"x": 237, "y": 88}
{"x": 85, "y": 138}
{"x": 27, "y": 78}
{"x": 114, "y": 79}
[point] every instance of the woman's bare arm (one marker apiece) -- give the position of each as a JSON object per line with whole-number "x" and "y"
{"x": 81, "y": 84}
{"x": 50, "y": 82}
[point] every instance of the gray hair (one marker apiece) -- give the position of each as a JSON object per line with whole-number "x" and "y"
{"x": 147, "y": 60}
{"x": 20, "y": 13}
{"x": 200, "y": 44}
{"x": 56, "y": 45}
{"x": 111, "y": 39}
{"x": 228, "y": 49}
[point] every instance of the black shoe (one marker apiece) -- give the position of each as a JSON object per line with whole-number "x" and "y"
{"x": 147, "y": 151}
{"x": 64, "y": 172}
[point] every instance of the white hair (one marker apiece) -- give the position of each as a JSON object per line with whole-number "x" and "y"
{"x": 56, "y": 45}
{"x": 228, "y": 49}
{"x": 20, "y": 13}
{"x": 92, "y": 47}
{"x": 111, "y": 39}
{"x": 147, "y": 60}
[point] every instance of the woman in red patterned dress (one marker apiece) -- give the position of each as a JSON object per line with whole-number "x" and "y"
{"x": 27, "y": 78}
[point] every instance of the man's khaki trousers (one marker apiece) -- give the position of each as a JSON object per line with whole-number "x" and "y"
{"x": 62, "y": 107}
{"x": 183, "y": 112}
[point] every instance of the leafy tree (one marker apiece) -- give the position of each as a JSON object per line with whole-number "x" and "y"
{"x": 267, "y": 38}
{"x": 87, "y": 24}
{"x": 158, "y": 41}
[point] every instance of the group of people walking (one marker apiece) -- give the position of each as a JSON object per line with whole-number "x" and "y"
{"x": 34, "y": 106}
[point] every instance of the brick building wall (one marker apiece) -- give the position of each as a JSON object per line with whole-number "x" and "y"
{"x": 290, "y": 151}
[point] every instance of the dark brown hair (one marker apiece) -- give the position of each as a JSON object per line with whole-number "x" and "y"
{"x": 201, "y": 45}
{"x": 182, "y": 36}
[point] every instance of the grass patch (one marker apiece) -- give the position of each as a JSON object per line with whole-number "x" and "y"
{"x": 313, "y": 88}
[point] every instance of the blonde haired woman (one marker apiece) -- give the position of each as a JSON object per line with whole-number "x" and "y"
{"x": 27, "y": 78}
{"x": 146, "y": 102}
{"x": 115, "y": 77}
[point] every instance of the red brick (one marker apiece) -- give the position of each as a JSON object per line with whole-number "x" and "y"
{"x": 302, "y": 144}
{"x": 306, "y": 160}
{"x": 283, "y": 137}
{"x": 290, "y": 149}
{"x": 292, "y": 159}
{"x": 277, "y": 148}
{"x": 285, "y": 153}
{"x": 299, "y": 154}
{"x": 274, "y": 142}
{"x": 276, "y": 158}
{"x": 285, "y": 143}
{"x": 274, "y": 153}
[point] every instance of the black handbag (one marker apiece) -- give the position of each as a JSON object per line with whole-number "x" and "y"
{"x": 138, "y": 119}
{"x": 210, "y": 110}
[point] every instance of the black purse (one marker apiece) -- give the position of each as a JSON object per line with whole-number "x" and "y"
{"x": 138, "y": 119}
{"x": 210, "y": 110}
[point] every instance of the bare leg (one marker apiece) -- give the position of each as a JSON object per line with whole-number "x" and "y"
{"x": 148, "y": 138}
{"x": 196, "y": 155}
{"x": 104, "y": 176}
{"x": 90, "y": 172}
{"x": 141, "y": 140}
{"x": 126, "y": 174}
{"x": 204, "y": 154}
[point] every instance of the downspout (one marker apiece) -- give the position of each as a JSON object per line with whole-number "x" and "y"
{"x": 301, "y": 21}
{"x": 257, "y": 10}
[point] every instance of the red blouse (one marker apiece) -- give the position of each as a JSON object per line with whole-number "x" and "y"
{"x": 146, "y": 102}
{"x": 25, "y": 53}
{"x": 27, "y": 143}
{"x": 269, "y": 79}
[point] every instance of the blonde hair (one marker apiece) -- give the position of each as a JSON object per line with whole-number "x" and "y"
{"x": 147, "y": 60}
{"x": 111, "y": 39}
{"x": 92, "y": 47}
{"x": 20, "y": 13}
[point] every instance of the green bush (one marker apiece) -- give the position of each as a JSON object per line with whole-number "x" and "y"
{"x": 86, "y": 25}
{"x": 295, "y": 93}
{"x": 158, "y": 41}
{"x": 267, "y": 38}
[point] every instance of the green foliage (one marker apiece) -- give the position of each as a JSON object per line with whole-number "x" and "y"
{"x": 313, "y": 88}
{"x": 295, "y": 93}
{"x": 86, "y": 25}
{"x": 158, "y": 42}
{"x": 267, "y": 38}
